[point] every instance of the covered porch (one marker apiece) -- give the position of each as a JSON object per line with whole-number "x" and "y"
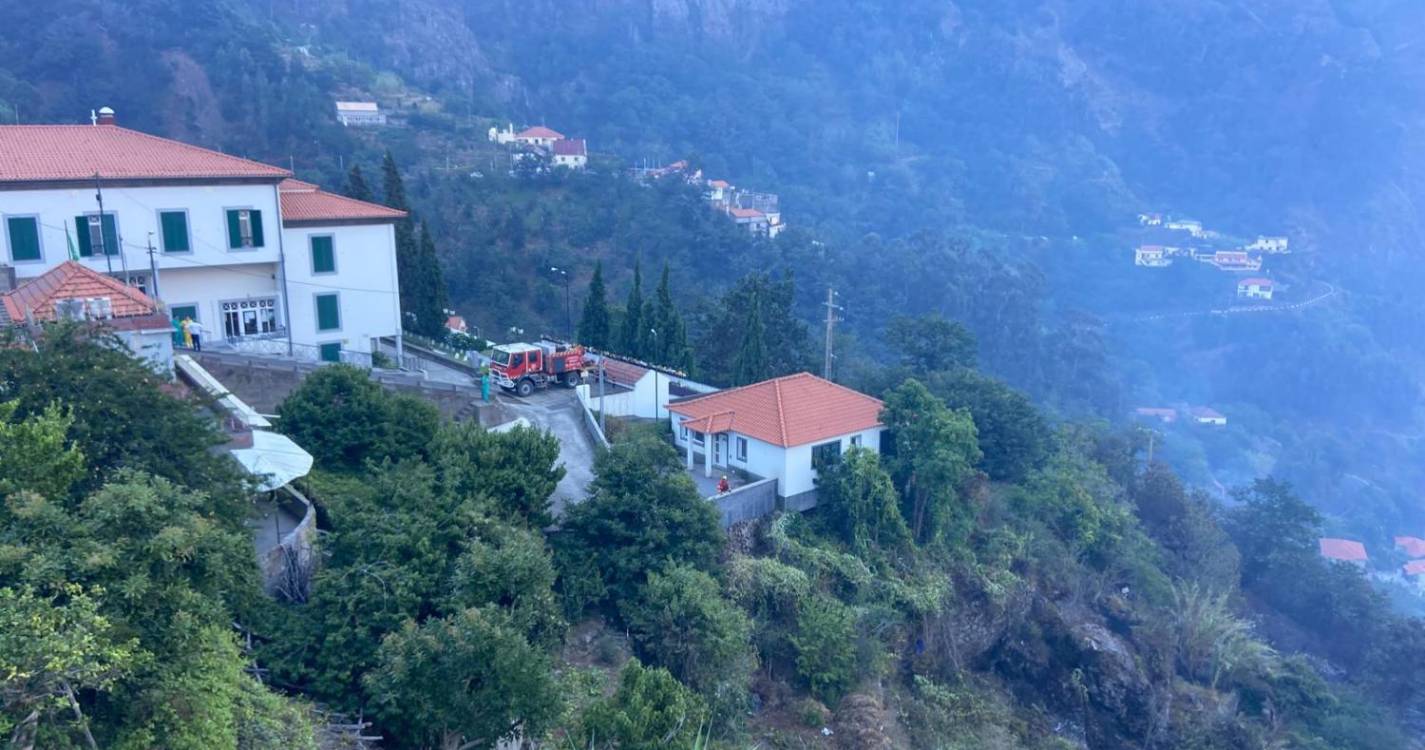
{"x": 707, "y": 452}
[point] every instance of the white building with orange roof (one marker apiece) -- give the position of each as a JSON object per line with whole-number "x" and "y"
{"x": 265, "y": 263}
{"x": 783, "y": 429}
{"x": 538, "y": 136}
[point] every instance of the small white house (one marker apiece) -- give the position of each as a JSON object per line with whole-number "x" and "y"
{"x": 1193, "y": 228}
{"x": 1256, "y": 288}
{"x": 1152, "y": 256}
{"x": 1207, "y": 416}
{"x": 360, "y": 114}
{"x": 782, "y": 429}
{"x": 572, "y": 153}
{"x": 503, "y": 136}
{"x": 538, "y": 136}
{"x": 1270, "y": 245}
{"x": 631, "y": 389}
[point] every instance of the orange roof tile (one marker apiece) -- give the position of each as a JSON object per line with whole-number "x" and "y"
{"x": 303, "y": 202}
{"x": 75, "y": 153}
{"x": 1343, "y": 549}
{"x": 788, "y": 411}
{"x": 571, "y": 147}
{"x": 539, "y": 131}
{"x": 746, "y": 213}
{"x": 1414, "y": 567}
{"x": 1413, "y": 546}
{"x": 72, "y": 280}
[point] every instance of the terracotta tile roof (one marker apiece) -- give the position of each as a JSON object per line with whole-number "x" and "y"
{"x": 66, "y": 153}
{"x": 539, "y": 131}
{"x": 1413, "y": 546}
{"x": 746, "y": 213}
{"x": 788, "y": 411}
{"x": 456, "y": 323}
{"x": 623, "y": 373}
{"x": 1343, "y": 549}
{"x": 571, "y": 147}
{"x": 1255, "y": 282}
{"x": 718, "y": 184}
{"x": 304, "y": 202}
{"x": 1413, "y": 568}
{"x": 1203, "y": 412}
{"x": 71, "y": 280}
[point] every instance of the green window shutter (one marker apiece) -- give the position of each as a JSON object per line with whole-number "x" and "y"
{"x": 234, "y": 232}
{"x": 81, "y": 228}
{"x": 328, "y": 312}
{"x": 24, "y": 239}
{"x": 330, "y": 352}
{"x": 323, "y": 255}
{"x": 175, "y": 231}
{"x": 256, "y": 228}
{"x": 111, "y": 235}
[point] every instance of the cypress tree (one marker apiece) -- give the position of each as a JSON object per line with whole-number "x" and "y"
{"x": 594, "y": 329}
{"x": 671, "y": 344}
{"x": 356, "y": 186}
{"x": 751, "y": 364}
{"x": 430, "y": 307}
{"x": 633, "y": 332}
{"x": 408, "y": 266}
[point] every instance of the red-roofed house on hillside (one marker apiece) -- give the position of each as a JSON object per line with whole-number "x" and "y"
{"x": 781, "y": 429}
{"x": 1208, "y": 416}
{"x": 70, "y": 291}
{"x": 1414, "y": 572}
{"x": 1344, "y": 550}
{"x": 538, "y": 136}
{"x": 1412, "y": 546}
{"x": 1256, "y": 288}
{"x": 572, "y": 153}
{"x": 258, "y": 258}
{"x": 636, "y": 389}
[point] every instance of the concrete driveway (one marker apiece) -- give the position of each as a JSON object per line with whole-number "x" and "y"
{"x": 557, "y": 410}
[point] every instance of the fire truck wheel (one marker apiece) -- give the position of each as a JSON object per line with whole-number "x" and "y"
{"x": 573, "y": 379}
{"x": 525, "y": 388}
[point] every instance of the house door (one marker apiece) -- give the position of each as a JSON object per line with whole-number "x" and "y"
{"x": 720, "y": 450}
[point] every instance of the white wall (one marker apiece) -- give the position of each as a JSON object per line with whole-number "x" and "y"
{"x": 365, "y": 283}
{"x": 648, "y": 399}
{"x": 211, "y": 273}
{"x": 790, "y": 466}
{"x": 798, "y": 475}
{"x": 135, "y": 212}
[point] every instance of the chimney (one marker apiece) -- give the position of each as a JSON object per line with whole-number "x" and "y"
{"x": 106, "y": 116}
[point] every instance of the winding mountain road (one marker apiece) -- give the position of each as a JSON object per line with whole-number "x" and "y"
{"x": 1330, "y": 292}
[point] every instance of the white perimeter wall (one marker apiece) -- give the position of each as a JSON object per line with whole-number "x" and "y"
{"x": 790, "y": 466}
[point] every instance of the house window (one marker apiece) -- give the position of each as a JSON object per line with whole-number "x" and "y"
{"x": 699, "y": 438}
{"x": 138, "y": 281}
{"x": 244, "y": 228}
{"x": 173, "y": 226}
{"x": 330, "y": 352}
{"x": 24, "y": 233}
{"x": 249, "y": 317}
{"x": 855, "y": 441}
{"x": 323, "y": 255}
{"x": 328, "y": 312}
{"x": 95, "y": 233}
{"x": 683, "y": 433}
{"x": 826, "y": 455}
{"x": 742, "y": 449}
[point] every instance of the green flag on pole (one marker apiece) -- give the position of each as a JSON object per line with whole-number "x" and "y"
{"x": 69, "y": 239}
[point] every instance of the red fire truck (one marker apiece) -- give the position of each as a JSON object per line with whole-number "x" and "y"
{"x": 524, "y": 367}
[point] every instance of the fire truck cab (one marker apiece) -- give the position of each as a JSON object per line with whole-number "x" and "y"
{"x": 522, "y": 368}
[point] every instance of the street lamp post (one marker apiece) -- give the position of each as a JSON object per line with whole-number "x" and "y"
{"x": 568, "y": 310}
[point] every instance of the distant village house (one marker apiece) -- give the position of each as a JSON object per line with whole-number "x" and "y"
{"x": 1152, "y": 256}
{"x": 1269, "y": 245}
{"x": 1344, "y": 550}
{"x": 1206, "y": 416}
{"x": 538, "y": 136}
{"x": 360, "y": 114}
{"x": 571, "y": 152}
{"x": 1255, "y": 288}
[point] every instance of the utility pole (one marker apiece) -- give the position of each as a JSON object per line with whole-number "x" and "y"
{"x": 153, "y": 267}
{"x": 568, "y": 309}
{"x": 831, "y": 308}
{"x": 103, "y": 245}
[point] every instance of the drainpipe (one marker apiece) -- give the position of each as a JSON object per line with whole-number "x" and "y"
{"x": 282, "y": 263}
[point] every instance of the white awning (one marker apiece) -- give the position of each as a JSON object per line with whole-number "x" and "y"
{"x": 274, "y": 459}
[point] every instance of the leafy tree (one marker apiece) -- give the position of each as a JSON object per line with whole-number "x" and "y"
{"x": 634, "y": 330}
{"x": 38, "y": 456}
{"x": 595, "y": 329}
{"x": 930, "y": 343}
{"x": 861, "y": 504}
{"x": 933, "y": 453}
{"x": 343, "y": 418}
{"x": 463, "y": 682}
{"x": 1275, "y": 530}
{"x": 670, "y": 346}
{"x": 650, "y": 710}
{"x": 356, "y": 186}
{"x": 751, "y": 363}
{"x": 515, "y": 472}
{"x": 392, "y": 184}
{"x": 510, "y": 567}
{"x": 1183, "y": 523}
{"x": 785, "y": 344}
{"x": 1013, "y": 436}
{"x": 681, "y": 621}
{"x": 120, "y": 416}
{"x": 643, "y": 513}
{"x": 52, "y": 649}
{"x": 825, "y": 644}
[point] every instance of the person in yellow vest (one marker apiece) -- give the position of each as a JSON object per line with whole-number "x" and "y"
{"x": 187, "y": 333}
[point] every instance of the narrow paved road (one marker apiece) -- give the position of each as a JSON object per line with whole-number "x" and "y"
{"x": 557, "y": 410}
{"x": 1330, "y": 292}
